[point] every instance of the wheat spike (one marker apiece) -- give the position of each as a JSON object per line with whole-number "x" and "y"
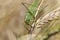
{"x": 49, "y": 16}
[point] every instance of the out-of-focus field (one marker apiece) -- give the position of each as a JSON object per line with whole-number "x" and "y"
{"x": 12, "y": 14}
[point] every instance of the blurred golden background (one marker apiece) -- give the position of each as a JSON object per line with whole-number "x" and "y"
{"x": 12, "y": 14}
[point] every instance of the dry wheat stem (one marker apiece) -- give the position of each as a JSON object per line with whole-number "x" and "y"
{"x": 39, "y": 8}
{"x": 33, "y": 25}
{"x": 36, "y": 14}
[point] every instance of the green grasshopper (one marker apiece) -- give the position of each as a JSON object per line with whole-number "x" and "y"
{"x": 30, "y": 14}
{"x": 31, "y": 11}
